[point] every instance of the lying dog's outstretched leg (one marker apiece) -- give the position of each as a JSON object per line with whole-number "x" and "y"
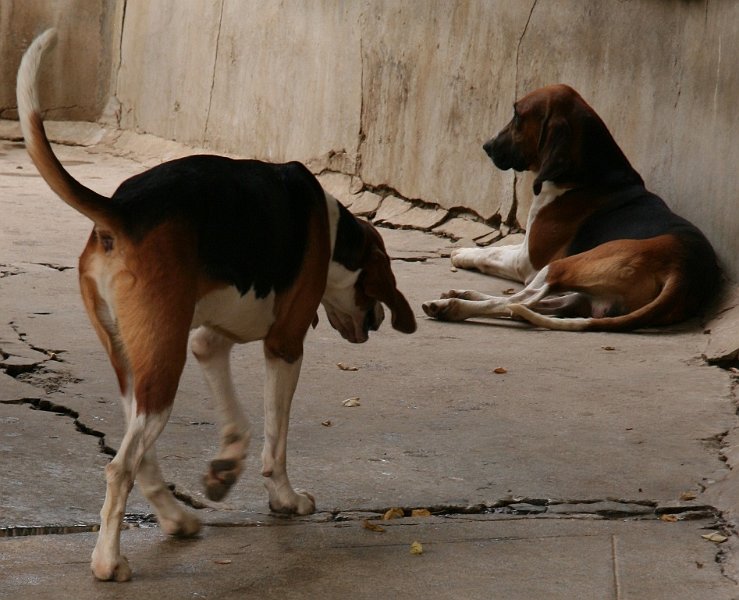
{"x": 213, "y": 352}
{"x": 281, "y": 378}
{"x": 466, "y": 295}
{"x": 459, "y": 309}
{"x": 510, "y": 262}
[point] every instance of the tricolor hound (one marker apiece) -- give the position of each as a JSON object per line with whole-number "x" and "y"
{"x": 600, "y": 251}
{"x": 239, "y": 250}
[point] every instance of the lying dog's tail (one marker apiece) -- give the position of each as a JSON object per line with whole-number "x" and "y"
{"x": 91, "y": 204}
{"x": 653, "y": 313}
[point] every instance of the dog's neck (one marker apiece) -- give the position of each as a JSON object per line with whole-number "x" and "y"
{"x": 339, "y": 275}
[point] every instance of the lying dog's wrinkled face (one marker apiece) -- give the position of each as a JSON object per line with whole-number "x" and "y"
{"x": 539, "y": 137}
{"x": 353, "y": 297}
{"x": 515, "y": 146}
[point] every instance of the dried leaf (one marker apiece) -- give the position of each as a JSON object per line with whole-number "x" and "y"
{"x": 393, "y": 513}
{"x": 668, "y": 518}
{"x": 609, "y": 348}
{"x": 344, "y": 367}
{"x": 500, "y": 370}
{"x": 715, "y": 537}
{"x": 373, "y": 526}
{"x": 688, "y": 496}
{"x": 420, "y": 512}
{"x": 350, "y": 402}
{"x": 223, "y": 561}
{"x": 509, "y": 292}
{"x": 416, "y": 548}
{"x": 326, "y": 423}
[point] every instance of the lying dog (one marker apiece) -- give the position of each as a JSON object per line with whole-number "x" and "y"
{"x": 240, "y": 250}
{"x": 600, "y": 251}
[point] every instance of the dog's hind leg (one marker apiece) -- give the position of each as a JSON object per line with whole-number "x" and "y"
{"x": 213, "y": 352}
{"x": 279, "y": 386}
{"x": 459, "y": 309}
{"x": 151, "y": 301}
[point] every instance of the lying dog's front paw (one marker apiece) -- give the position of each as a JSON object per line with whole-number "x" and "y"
{"x": 464, "y": 258}
{"x": 222, "y": 474}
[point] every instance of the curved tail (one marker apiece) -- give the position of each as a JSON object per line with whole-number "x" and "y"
{"x": 660, "y": 311}
{"x": 91, "y": 204}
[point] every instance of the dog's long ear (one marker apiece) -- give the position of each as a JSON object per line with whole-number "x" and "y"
{"x": 379, "y": 283}
{"x": 555, "y": 151}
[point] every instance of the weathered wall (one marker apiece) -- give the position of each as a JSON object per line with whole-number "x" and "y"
{"x": 84, "y": 55}
{"x": 402, "y": 93}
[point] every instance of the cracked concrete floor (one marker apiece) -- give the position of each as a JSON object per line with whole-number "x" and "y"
{"x": 581, "y": 427}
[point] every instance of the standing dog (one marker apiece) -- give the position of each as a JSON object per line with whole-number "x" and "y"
{"x": 600, "y": 251}
{"x": 240, "y": 250}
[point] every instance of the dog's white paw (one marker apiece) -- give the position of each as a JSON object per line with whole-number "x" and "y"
{"x": 444, "y": 310}
{"x": 286, "y": 500}
{"x": 183, "y": 524}
{"x": 110, "y": 568}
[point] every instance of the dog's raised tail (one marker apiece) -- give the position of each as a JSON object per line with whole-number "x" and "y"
{"x": 666, "y": 303}
{"x": 91, "y": 204}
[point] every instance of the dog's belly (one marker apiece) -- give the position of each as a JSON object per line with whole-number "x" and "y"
{"x": 244, "y": 318}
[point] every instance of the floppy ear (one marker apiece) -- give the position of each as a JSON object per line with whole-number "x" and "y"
{"x": 379, "y": 283}
{"x": 555, "y": 151}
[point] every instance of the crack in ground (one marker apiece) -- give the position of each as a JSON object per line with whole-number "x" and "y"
{"x": 49, "y": 406}
{"x": 605, "y": 509}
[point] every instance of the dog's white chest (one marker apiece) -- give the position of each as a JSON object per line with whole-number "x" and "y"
{"x": 245, "y": 318}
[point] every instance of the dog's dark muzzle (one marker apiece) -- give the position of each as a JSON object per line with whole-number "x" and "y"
{"x": 502, "y": 152}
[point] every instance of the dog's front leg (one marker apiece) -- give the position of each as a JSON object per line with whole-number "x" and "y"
{"x": 213, "y": 352}
{"x": 281, "y": 379}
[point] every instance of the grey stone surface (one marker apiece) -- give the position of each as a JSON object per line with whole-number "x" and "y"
{"x": 476, "y": 559}
{"x": 390, "y": 209}
{"x": 569, "y": 421}
{"x": 366, "y": 203}
{"x": 460, "y": 227}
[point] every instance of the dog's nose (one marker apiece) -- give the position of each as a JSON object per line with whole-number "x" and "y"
{"x": 488, "y": 147}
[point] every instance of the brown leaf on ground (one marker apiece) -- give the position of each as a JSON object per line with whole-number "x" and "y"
{"x": 715, "y": 537}
{"x": 668, "y": 518}
{"x": 393, "y": 513}
{"x": 326, "y": 423}
{"x": 420, "y": 512}
{"x": 500, "y": 370}
{"x": 373, "y": 526}
{"x": 223, "y": 561}
{"x": 509, "y": 291}
{"x": 416, "y": 548}
{"x": 344, "y": 367}
{"x": 350, "y": 402}
{"x": 688, "y": 496}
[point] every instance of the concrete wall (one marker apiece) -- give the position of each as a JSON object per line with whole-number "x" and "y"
{"x": 402, "y": 93}
{"x": 79, "y": 75}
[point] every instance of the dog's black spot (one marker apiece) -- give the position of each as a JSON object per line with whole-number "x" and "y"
{"x": 251, "y": 218}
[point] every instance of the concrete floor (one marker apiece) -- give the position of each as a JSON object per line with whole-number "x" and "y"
{"x": 548, "y": 481}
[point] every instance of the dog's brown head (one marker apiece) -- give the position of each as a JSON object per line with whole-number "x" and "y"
{"x": 360, "y": 280}
{"x": 556, "y": 134}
